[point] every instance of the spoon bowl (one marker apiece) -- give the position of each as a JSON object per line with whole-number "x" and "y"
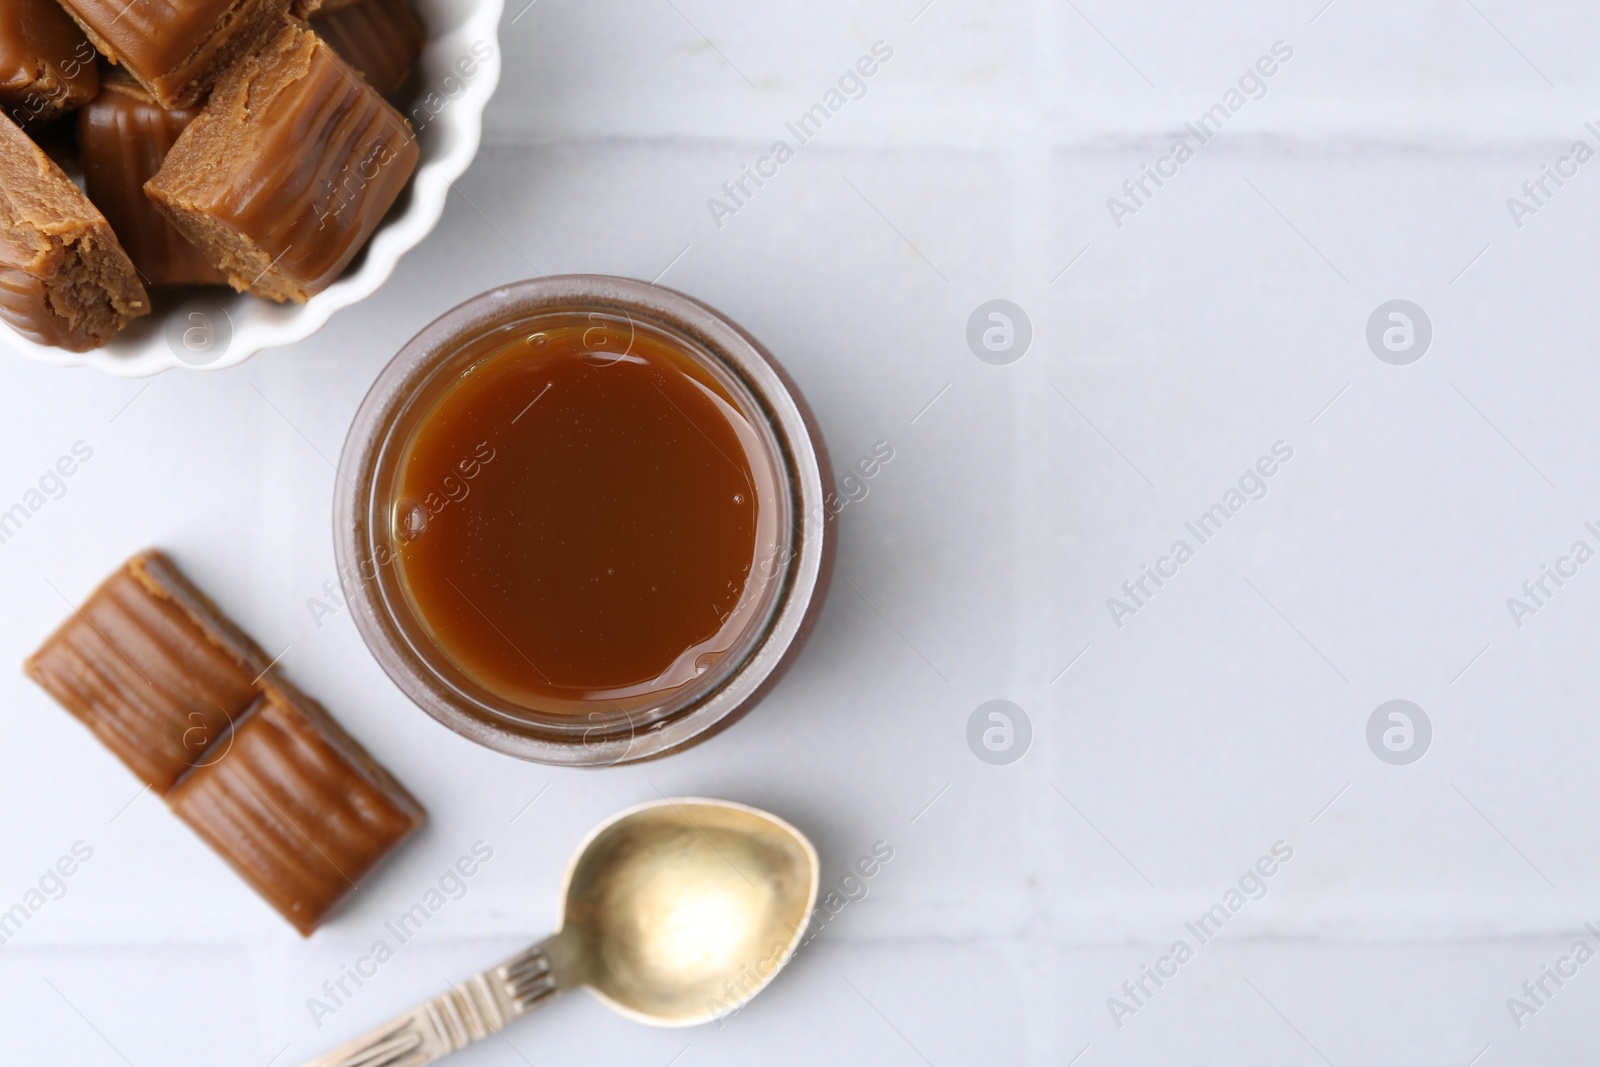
{"x": 676, "y": 912}
{"x": 686, "y": 908}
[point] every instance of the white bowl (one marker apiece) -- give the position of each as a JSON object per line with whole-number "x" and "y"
{"x": 216, "y": 328}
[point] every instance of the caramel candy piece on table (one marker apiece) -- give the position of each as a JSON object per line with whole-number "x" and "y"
{"x": 47, "y": 66}
{"x": 177, "y": 49}
{"x": 380, "y": 38}
{"x": 298, "y": 809}
{"x": 64, "y": 279}
{"x": 288, "y": 170}
{"x": 152, "y": 669}
{"x": 123, "y": 137}
{"x": 257, "y": 769}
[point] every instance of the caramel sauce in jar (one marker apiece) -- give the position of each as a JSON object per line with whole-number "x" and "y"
{"x": 582, "y": 518}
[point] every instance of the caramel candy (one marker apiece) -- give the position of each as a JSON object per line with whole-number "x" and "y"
{"x": 380, "y": 38}
{"x": 123, "y": 136}
{"x": 288, "y": 170}
{"x": 177, "y": 49}
{"x": 64, "y": 279}
{"x": 47, "y": 66}
{"x": 259, "y": 770}
{"x": 297, "y": 808}
{"x": 152, "y": 669}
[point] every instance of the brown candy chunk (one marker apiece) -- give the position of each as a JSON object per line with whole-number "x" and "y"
{"x": 259, "y": 770}
{"x": 123, "y": 137}
{"x": 47, "y": 66}
{"x": 152, "y": 669}
{"x": 64, "y": 278}
{"x": 288, "y": 170}
{"x": 177, "y": 49}
{"x": 380, "y": 38}
{"x": 297, "y": 808}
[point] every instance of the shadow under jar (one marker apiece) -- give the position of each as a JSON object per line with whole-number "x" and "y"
{"x": 580, "y": 520}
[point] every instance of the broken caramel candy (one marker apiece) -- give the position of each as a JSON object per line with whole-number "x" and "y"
{"x": 288, "y": 170}
{"x": 64, "y": 278}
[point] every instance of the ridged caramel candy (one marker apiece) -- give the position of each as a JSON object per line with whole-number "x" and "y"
{"x": 380, "y": 38}
{"x": 151, "y": 667}
{"x": 256, "y": 768}
{"x": 288, "y": 170}
{"x": 64, "y": 278}
{"x": 296, "y": 807}
{"x": 47, "y": 66}
{"x": 177, "y": 49}
{"x": 123, "y": 137}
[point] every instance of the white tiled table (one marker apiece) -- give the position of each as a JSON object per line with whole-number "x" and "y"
{"x": 1226, "y": 315}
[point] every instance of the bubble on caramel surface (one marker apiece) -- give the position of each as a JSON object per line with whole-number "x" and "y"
{"x": 410, "y": 520}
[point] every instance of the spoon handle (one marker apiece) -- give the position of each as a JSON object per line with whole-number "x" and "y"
{"x": 482, "y": 1005}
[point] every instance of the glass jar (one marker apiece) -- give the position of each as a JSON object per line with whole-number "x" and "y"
{"x": 782, "y": 594}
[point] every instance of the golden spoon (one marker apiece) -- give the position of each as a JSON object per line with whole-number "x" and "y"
{"x": 677, "y": 911}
